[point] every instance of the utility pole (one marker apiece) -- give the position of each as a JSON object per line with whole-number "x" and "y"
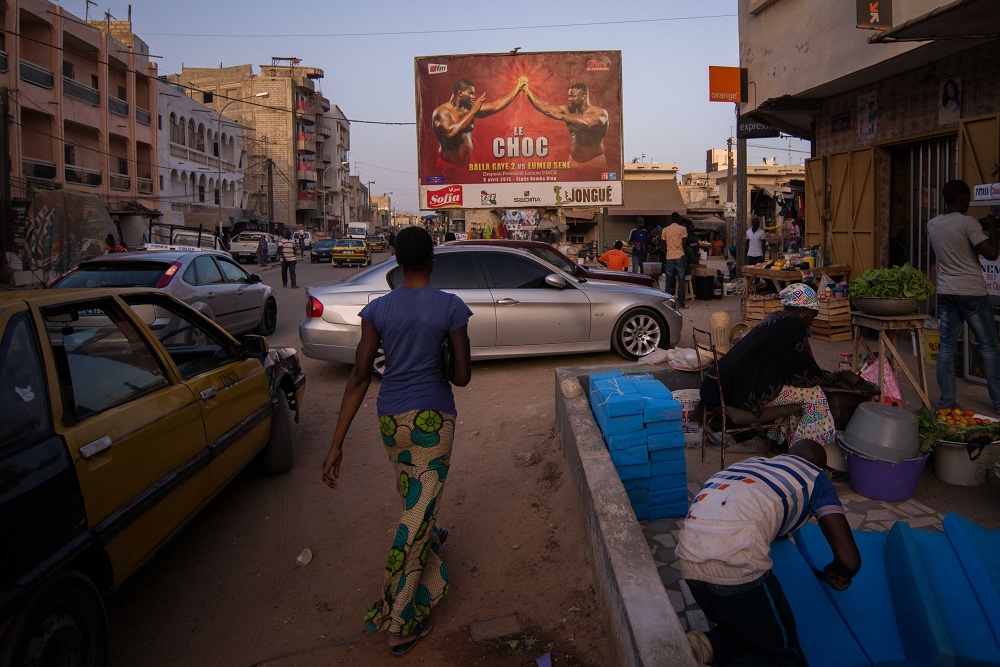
{"x": 730, "y": 186}
{"x": 741, "y": 196}
{"x": 7, "y": 232}
{"x": 368, "y": 204}
{"x": 270, "y": 195}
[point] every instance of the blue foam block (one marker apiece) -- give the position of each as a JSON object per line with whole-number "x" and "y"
{"x": 665, "y": 482}
{"x": 671, "y": 511}
{"x": 669, "y": 496}
{"x": 661, "y": 410}
{"x": 826, "y": 641}
{"x": 638, "y": 496}
{"x": 630, "y": 456}
{"x": 635, "y": 484}
{"x": 603, "y": 375}
{"x": 625, "y": 440}
{"x": 665, "y": 441}
{"x": 616, "y": 385}
{"x": 921, "y": 624}
{"x": 619, "y": 405}
{"x": 641, "y": 511}
{"x": 677, "y": 467}
{"x": 669, "y": 426}
{"x": 671, "y": 454}
{"x": 977, "y": 549}
{"x": 866, "y": 606}
{"x": 633, "y": 472}
{"x": 614, "y": 425}
{"x": 651, "y": 388}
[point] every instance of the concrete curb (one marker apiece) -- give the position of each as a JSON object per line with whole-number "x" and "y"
{"x": 640, "y": 619}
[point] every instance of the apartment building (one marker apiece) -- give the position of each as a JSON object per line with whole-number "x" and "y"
{"x": 892, "y": 114}
{"x": 82, "y": 112}
{"x": 297, "y": 143}
{"x": 201, "y": 161}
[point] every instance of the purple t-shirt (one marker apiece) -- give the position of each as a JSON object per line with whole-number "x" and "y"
{"x": 412, "y": 324}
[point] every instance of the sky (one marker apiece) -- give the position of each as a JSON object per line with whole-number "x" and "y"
{"x": 366, "y": 50}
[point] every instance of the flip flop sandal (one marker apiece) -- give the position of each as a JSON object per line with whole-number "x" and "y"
{"x": 402, "y": 649}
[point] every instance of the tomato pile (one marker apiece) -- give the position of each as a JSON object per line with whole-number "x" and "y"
{"x": 957, "y": 417}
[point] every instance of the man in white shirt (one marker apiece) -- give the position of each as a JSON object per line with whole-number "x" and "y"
{"x": 286, "y": 250}
{"x": 755, "y": 242}
{"x": 958, "y": 240}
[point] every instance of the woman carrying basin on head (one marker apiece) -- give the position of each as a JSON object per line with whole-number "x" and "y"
{"x": 417, "y": 414}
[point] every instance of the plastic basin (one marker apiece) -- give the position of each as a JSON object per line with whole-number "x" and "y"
{"x": 883, "y": 432}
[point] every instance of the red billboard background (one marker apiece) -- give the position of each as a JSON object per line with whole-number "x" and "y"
{"x": 549, "y": 76}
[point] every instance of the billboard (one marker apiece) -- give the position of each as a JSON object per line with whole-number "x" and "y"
{"x": 521, "y": 130}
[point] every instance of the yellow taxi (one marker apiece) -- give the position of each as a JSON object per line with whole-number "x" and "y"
{"x": 351, "y": 252}
{"x": 124, "y": 412}
{"x": 375, "y": 243}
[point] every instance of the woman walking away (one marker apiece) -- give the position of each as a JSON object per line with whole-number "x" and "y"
{"x": 416, "y": 414}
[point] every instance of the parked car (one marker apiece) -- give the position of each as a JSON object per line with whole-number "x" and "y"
{"x": 243, "y": 247}
{"x": 321, "y": 251}
{"x": 114, "y": 434}
{"x": 522, "y": 306}
{"x": 210, "y": 282}
{"x": 564, "y": 263}
{"x": 375, "y": 243}
{"x": 351, "y": 252}
{"x": 303, "y": 237}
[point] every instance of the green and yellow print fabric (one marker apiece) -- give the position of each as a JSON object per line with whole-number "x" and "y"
{"x": 419, "y": 443}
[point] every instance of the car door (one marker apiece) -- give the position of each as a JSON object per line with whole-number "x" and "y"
{"x": 211, "y": 289}
{"x": 461, "y": 275}
{"x": 248, "y": 297}
{"x": 233, "y": 393}
{"x": 133, "y": 428}
{"x": 529, "y": 311}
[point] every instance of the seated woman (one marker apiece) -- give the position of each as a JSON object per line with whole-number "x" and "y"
{"x": 773, "y": 365}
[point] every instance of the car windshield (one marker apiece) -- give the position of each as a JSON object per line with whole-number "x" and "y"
{"x": 203, "y": 241}
{"x": 552, "y": 257}
{"x": 323, "y": 245}
{"x": 115, "y": 274}
{"x": 356, "y": 243}
{"x": 249, "y": 237}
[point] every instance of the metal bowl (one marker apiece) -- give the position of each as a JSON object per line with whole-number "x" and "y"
{"x": 884, "y": 432}
{"x": 876, "y": 306}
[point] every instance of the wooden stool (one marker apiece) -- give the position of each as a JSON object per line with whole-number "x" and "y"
{"x": 889, "y": 325}
{"x": 688, "y": 287}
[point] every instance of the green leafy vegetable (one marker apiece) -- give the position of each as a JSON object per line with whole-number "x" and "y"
{"x": 933, "y": 430}
{"x": 896, "y": 283}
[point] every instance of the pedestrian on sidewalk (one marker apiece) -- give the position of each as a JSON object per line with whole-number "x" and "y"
{"x": 417, "y": 416}
{"x": 638, "y": 240}
{"x": 262, "y": 250}
{"x": 674, "y": 242}
{"x": 286, "y": 251}
{"x": 724, "y": 553}
{"x": 615, "y": 259}
{"x": 958, "y": 240}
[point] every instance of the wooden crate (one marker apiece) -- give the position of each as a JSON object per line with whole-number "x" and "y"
{"x": 833, "y": 321}
{"x": 759, "y": 308}
{"x": 832, "y": 337}
{"x": 834, "y": 310}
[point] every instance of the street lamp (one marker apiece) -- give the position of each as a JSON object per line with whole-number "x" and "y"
{"x": 218, "y": 131}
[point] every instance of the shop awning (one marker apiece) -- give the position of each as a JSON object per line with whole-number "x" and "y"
{"x": 652, "y": 197}
{"x": 712, "y": 223}
{"x": 962, "y": 19}
{"x": 586, "y": 213}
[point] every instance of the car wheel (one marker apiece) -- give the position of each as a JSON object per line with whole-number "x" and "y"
{"x": 268, "y": 319}
{"x": 277, "y": 454}
{"x": 62, "y": 623}
{"x": 638, "y": 332}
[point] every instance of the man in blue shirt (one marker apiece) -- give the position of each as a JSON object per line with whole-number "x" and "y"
{"x": 638, "y": 240}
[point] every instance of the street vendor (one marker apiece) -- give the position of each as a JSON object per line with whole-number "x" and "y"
{"x": 774, "y": 365}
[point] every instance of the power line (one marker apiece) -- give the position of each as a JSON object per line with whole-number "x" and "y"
{"x": 444, "y": 31}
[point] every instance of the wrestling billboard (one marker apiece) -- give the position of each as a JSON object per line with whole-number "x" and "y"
{"x": 522, "y": 130}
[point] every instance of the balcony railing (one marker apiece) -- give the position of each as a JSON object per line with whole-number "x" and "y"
{"x": 307, "y": 195}
{"x": 144, "y": 186}
{"x": 83, "y": 176}
{"x": 42, "y": 170}
{"x": 37, "y": 75}
{"x": 117, "y": 106}
{"x": 3, "y": 61}
{"x": 143, "y": 117}
{"x": 81, "y": 92}
{"x": 119, "y": 182}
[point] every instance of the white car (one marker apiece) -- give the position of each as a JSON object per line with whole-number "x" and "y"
{"x": 243, "y": 247}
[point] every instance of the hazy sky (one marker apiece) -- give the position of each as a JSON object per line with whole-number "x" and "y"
{"x": 366, "y": 51}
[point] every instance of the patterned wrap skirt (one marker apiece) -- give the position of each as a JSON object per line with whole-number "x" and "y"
{"x": 419, "y": 444}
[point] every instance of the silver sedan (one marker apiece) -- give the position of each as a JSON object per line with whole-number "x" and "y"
{"x": 521, "y": 305}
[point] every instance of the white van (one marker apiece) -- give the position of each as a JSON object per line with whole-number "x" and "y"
{"x": 306, "y": 238}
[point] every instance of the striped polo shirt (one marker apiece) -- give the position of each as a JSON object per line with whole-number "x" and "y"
{"x": 739, "y": 511}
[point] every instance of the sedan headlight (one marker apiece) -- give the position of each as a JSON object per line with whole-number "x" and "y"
{"x": 671, "y": 302}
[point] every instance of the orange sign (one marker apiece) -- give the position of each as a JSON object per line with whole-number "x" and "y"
{"x": 724, "y": 84}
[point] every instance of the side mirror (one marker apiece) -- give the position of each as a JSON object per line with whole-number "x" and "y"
{"x": 254, "y": 346}
{"x": 555, "y": 280}
{"x": 255, "y": 278}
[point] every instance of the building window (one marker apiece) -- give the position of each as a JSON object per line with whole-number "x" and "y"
{"x": 122, "y": 93}
{"x": 69, "y": 69}
{"x": 161, "y": 183}
{"x": 123, "y": 166}
{"x": 201, "y": 193}
{"x": 69, "y": 154}
{"x": 94, "y": 83}
{"x": 207, "y": 98}
{"x": 159, "y": 121}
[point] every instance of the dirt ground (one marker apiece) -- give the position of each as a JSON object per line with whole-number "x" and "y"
{"x": 228, "y": 591}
